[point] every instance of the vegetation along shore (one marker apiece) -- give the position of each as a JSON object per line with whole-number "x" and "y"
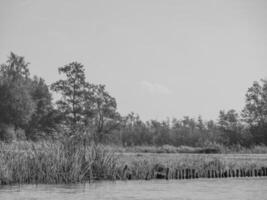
{"x": 82, "y": 137}
{"x": 57, "y": 163}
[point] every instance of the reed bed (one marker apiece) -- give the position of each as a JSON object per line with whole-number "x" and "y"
{"x": 57, "y": 163}
{"x": 27, "y": 162}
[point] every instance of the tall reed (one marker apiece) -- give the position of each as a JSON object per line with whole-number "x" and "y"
{"x": 48, "y": 162}
{"x": 73, "y": 162}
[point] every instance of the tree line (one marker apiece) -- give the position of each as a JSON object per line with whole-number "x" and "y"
{"x": 87, "y": 110}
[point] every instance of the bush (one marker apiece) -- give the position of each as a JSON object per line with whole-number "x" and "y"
{"x": 7, "y": 132}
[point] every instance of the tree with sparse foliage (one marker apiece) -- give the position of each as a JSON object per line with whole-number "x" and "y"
{"x": 72, "y": 89}
{"x": 15, "y": 68}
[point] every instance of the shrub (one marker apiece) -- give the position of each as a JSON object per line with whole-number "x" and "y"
{"x": 7, "y": 132}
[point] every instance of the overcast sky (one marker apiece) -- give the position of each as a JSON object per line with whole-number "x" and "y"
{"x": 158, "y": 58}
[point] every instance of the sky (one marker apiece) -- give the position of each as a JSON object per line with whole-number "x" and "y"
{"x": 158, "y": 58}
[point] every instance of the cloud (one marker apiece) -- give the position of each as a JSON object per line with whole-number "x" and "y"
{"x": 155, "y": 88}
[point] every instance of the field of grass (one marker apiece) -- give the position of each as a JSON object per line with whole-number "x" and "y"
{"x": 54, "y": 162}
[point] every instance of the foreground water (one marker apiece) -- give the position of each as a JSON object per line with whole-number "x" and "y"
{"x": 206, "y": 189}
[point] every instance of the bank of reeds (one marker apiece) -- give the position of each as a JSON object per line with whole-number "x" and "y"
{"x": 57, "y": 163}
{"x": 27, "y": 162}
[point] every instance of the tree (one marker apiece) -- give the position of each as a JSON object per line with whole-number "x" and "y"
{"x": 72, "y": 90}
{"x": 85, "y": 105}
{"x": 16, "y": 104}
{"x": 230, "y": 125}
{"x": 41, "y": 120}
{"x": 200, "y": 125}
{"x": 160, "y": 132}
{"x": 15, "y": 68}
{"x": 255, "y": 111}
{"x": 228, "y": 120}
{"x": 100, "y": 110}
{"x": 134, "y": 131}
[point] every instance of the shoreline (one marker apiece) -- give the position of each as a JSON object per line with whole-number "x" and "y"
{"x": 56, "y": 163}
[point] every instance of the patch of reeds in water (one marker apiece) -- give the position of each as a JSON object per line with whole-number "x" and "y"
{"x": 56, "y": 163}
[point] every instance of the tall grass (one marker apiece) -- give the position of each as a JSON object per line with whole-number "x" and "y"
{"x": 54, "y": 163}
{"x": 68, "y": 162}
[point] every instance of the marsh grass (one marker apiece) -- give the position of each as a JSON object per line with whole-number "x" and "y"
{"x": 145, "y": 164}
{"x": 26, "y": 162}
{"x": 67, "y": 162}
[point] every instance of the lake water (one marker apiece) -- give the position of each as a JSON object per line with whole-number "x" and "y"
{"x": 197, "y": 189}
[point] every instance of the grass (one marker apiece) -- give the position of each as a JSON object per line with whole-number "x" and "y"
{"x": 211, "y": 149}
{"x": 171, "y": 149}
{"x": 55, "y": 162}
{"x": 142, "y": 163}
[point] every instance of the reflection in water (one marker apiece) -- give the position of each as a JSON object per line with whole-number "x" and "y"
{"x": 206, "y": 189}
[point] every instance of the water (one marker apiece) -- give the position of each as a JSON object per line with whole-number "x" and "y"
{"x": 201, "y": 189}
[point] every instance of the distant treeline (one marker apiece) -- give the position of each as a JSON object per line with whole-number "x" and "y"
{"x": 88, "y": 112}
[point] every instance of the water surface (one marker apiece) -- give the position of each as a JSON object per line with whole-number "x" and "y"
{"x": 197, "y": 189}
